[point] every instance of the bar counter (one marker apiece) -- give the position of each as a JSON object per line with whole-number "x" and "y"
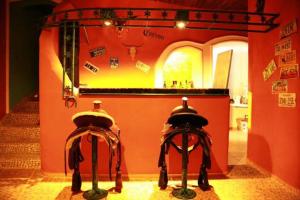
{"x": 140, "y": 114}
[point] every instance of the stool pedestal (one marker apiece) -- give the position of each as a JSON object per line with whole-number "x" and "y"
{"x": 95, "y": 193}
{"x": 184, "y": 192}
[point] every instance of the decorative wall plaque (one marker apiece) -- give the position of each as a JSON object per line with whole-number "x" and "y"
{"x": 114, "y": 62}
{"x": 283, "y": 46}
{"x": 97, "y": 52}
{"x": 269, "y": 70}
{"x": 90, "y": 67}
{"x": 287, "y": 100}
{"x": 142, "y": 66}
{"x": 289, "y": 71}
{"x": 279, "y": 86}
{"x": 288, "y": 29}
{"x": 287, "y": 58}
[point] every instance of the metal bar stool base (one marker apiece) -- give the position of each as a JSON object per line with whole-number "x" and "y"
{"x": 183, "y": 193}
{"x": 95, "y": 194}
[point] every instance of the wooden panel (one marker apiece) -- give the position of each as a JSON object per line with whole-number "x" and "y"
{"x": 222, "y": 69}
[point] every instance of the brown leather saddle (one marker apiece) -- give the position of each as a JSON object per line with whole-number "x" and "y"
{"x": 98, "y": 124}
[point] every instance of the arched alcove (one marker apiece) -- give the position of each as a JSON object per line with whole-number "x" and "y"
{"x": 183, "y": 68}
{"x": 175, "y": 58}
{"x": 203, "y": 71}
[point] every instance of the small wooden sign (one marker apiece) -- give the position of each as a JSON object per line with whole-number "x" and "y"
{"x": 287, "y": 100}
{"x": 269, "y": 70}
{"x": 279, "y": 86}
{"x": 283, "y": 46}
{"x": 287, "y": 58}
{"x": 90, "y": 67}
{"x": 97, "y": 52}
{"x": 289, "y": 71}
{"x": 288, "y": 29}
{"x": 142, "y": 66}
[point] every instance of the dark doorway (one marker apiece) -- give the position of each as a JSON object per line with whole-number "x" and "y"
{"x": 25, "y": 23}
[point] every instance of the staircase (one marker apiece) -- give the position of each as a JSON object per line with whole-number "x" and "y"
{"x": 20, "y": 137}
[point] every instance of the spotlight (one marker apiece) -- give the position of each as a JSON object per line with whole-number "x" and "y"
{"x": 182, "y": 18}
{"x": 107, "y": 15}
{"x": 107, "y": 22}
{"x": 181, "y": 24}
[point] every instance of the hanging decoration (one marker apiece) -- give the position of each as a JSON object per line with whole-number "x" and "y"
{"x": 86, "y": 36}
{"x": 260, "y": 6}
{"x": 132, "y": 49}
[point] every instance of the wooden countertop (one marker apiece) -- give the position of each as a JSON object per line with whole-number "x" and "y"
{"x": 153, "y": 91}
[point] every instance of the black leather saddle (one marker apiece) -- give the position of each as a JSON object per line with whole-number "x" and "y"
{"x": 185, "y": 119}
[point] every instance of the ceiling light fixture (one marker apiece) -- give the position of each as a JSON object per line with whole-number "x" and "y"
{"x": 182, "y": 18}
{"x": 107, "y": 15}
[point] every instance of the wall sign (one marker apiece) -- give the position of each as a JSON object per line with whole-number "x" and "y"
{"x": 269, "y": 70}
{"x": 283, "y": 46}
{"x": 288, "y": 29}
{"x": 90, "y": 67}
{"x": 287, "y": 58}
{"x": 279, "y": 86}
{"x": 153, "y": 35}
{"x": 287, "y": 100}
{"x": 97, "y": 52}
{"x": 289, "y": 71}
{"x": 142, "y": 66}
{"x": 114, "y": 62}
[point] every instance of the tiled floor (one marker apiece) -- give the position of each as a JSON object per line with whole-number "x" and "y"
{"x": 237, "y": 151}
{"x": 243, "y": 182}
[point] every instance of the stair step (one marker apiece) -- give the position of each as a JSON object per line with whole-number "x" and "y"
{"x": 20, "y": 162}
{"x": 19, "y": 148}
{"x": 20, "y": 119}
{"x": 27, "y": 107}
{"x": 19, "y": 134}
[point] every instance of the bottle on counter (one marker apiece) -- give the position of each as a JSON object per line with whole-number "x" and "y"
{"x": 165, "y": 84}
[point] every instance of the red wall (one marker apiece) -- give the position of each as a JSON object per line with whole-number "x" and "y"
{"x": 115, "y": 45}
{"x": 140, "y": 118}
{"x": 2, "y": 57}
{"x": 274, "y": 139}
